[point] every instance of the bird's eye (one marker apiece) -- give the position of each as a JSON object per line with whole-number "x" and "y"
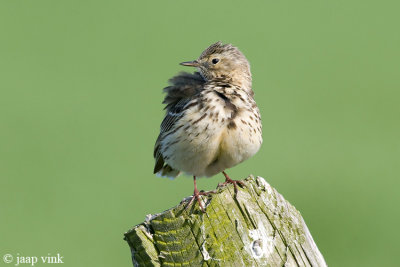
{"x": 215, "y": 60}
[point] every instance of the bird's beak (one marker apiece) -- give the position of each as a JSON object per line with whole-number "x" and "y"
{"x": 193, "y": 63}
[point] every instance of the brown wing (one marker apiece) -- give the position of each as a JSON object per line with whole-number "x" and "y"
{"x": 182, "y": 89}
{"x": 174, "y": 113}
{"x": 184, "y": 85}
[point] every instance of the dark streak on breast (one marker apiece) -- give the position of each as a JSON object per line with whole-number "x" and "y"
{"x": 231, "y": 125}
{"x": 221, "y": 95}
{"x": 228, "y": 104}
{"x": 199, "y": 119}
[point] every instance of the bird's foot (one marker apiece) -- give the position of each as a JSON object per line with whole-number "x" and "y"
{"x": 228, "y": 180}
{"x": 196, "y": 195}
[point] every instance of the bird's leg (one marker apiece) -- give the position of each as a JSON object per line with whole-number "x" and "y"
{"x": 228, "y": 180}
{"x": 197, "y": 194}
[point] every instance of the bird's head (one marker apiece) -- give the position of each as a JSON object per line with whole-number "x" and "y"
{"x": 223, "y": 61}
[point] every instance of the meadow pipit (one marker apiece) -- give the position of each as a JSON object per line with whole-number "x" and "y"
{"x": 212, "y": 122}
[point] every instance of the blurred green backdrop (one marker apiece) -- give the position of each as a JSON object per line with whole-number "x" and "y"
{"x": 80, "y": 109}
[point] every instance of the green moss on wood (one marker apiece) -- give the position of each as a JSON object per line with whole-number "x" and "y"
{"x": 258, "y": 228}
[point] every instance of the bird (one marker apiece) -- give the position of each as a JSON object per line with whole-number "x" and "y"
{"x": 212, "y": 121}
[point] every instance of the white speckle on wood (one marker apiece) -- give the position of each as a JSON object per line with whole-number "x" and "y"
{"x": 262, "y": 242}
{"x": 264, "y": 184}
{"x": 257, "y": 248}
{"x": 204, "y": 251}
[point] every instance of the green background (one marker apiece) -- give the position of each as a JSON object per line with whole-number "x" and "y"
{"x": 80, "y": 109}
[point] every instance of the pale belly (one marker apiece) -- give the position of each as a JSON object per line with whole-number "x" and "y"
{"x": 208, "y": 146}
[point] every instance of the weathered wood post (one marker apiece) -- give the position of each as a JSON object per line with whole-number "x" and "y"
{"x": 258, "y": 228}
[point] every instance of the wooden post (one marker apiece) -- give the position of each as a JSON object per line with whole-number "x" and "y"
{"x": 258, "y": 228}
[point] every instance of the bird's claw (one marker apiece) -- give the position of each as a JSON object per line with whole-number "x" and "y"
{"x": 228, "y": 180}
{"x": 196, "y": 195}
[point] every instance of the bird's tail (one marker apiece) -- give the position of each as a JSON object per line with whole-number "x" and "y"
{"x": 168, "y": 171}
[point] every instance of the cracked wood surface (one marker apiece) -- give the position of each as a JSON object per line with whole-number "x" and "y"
{"x": 259, "y": 228}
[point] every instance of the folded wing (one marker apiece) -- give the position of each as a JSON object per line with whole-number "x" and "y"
{"x": 183, "y": 88}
